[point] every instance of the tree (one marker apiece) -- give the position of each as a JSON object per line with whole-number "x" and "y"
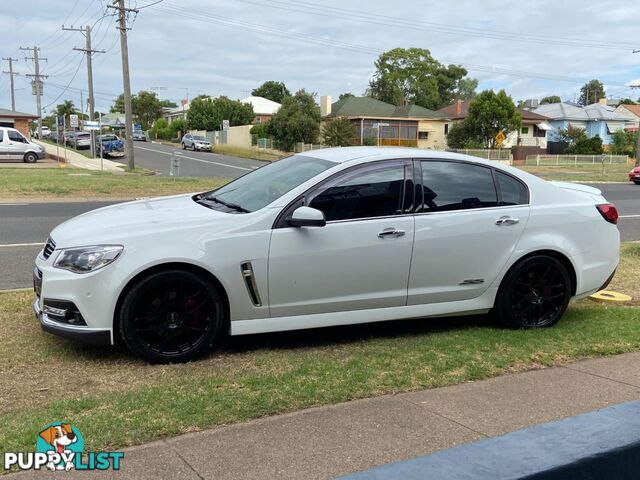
{"x": 591, "y": 92}
{"x": 146, "y": 108}
{"x": 586, "y": 146}
{"x": 118, "y": 105}
{"x": 466, "y": 88}
{"x": 571, "y": 135}
{"x": 274, "y": 91}
{"x": 627, "y": 101}
{"x": 460, "y": 136}
{"x": 178, "y": 128}
{"x": 413, "y": 76}
{"x": 345, "y": 95}
{"x": 490, "y": 113}
{"x": 66, "y": 108}
{"x": 624, "y": 143}
{"x": 550, "y": 99}
{"x": 207, "y": 113}
{"x": 168, "y": 104}
{"x": 161, "y": 129}
{"x": 298, "y": 120}
{"x": 338, "y": 132}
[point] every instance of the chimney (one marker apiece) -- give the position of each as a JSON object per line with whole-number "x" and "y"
{"x": 458, "y": 107}
{"x": 325, "y": 105}
{"x": 603, "y": 101}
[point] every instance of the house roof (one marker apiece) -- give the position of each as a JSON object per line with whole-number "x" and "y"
{"x": 460, "y": 110}
{"x": 567, "y": 111}
{"x": 5, "y": 112}
{"x": 372, "y": 108}
{"x": 634, "y": 109}
{"x": 261, "y": 105}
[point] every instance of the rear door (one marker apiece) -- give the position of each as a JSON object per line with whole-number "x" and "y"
{"x": 467, "y": 227}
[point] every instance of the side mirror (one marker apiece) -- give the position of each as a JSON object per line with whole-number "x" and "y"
{"x": 306, "y": 217}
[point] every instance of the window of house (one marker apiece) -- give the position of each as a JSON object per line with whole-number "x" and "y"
{"x": 539, "y": 132}
{"x": 524, "y": 130}
{"x": 456, "y": 186}
{"x": 423, "y": 135}
{"x": 512, "y": 191}
{"x": 446, "y": 128}
{"x": 365, "y": 193}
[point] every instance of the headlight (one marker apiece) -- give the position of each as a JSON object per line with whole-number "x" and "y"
{"x": 87, "y": 259}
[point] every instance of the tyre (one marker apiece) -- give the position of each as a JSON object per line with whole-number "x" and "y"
{"x": 534, "y": 294}
{"x": 637, "y": 182}
{"x": 30, "y": 157}
{"x": 184, "y": 147}
{"x": 171, "y": 316}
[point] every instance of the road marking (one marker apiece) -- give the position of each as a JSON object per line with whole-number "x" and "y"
{"x": 13, "y": 204}
{"x": 629, "y": 216}
{"x": 8, "y": 245}
{"x": 181, "y": 155}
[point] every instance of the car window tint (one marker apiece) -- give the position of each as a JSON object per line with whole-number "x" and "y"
{"x": 15, "y": 136}
{"x": 456, "y": 186}
{"x": 371, "y": 193}
{"x": 512, "y": 191}
{"x": 1, "y": 135}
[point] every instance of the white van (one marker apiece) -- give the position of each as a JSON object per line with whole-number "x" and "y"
{"x": 15, "y": 146}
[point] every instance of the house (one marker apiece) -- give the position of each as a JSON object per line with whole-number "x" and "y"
{"x": 18, "y": 120}
{"x": 633, "y": 113}
{"x": 380, "y": 123}
{"x": 113, "y": 120}
{"x": 175, "y": 113}
{"x": 595, "y": 119}
{"x": 532, "y": 133}
{"x": 263, "y": 108}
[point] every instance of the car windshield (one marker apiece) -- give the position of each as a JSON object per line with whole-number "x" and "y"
{"x": 199, "y": 137}
{"x": 108, "y": 138}
{"x": 83, "y": 135}
{"x": 259, "y": 188}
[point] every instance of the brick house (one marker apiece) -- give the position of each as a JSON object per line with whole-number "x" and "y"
{"x": 19, "y": 121}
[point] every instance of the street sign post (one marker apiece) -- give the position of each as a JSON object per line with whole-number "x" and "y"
{"x": 174, "y": 166}
{"x": 73, "y": 121}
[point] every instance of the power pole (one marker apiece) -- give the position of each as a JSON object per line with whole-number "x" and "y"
{"x": 11, "y": 74}
{"x": 124, "y": 51}
{"x": 37, "y": 82}
{"x": 88, "y": 51}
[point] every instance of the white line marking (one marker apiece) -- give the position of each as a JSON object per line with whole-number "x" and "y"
{"x": 181, "y": 155}
{"x": 13, "y": 204}
{"x": 629, "y": 216}
{"x": 8, "y": 245}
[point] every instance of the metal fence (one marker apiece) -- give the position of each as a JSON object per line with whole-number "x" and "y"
{"x": 502, "y": 154}
{"x": 558, "y": 160}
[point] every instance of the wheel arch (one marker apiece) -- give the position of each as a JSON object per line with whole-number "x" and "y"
{"x": 190, "y": 267}
{"x": 561, "y": 257}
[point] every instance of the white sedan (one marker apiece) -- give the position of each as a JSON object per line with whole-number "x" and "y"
{"x": 329, "y": 237}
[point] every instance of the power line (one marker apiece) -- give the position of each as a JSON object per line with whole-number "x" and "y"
{"x": 67, "y": 87}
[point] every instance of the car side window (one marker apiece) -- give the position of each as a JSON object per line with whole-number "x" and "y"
{"x": 364, "y": 193}
{"x": 1, "y": 136}
{"x": 15, "y": 136}
{"x": 451, "y": 186}
{"x": 512, "y": 192}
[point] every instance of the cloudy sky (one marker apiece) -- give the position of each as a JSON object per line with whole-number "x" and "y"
{"x": 228, "y": 47}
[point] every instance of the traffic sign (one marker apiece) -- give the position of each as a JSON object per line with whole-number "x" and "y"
{"x": 91, "y": 125}
{"x": 73, "y": 121}
{"x": 225, "y": 125}
{"x": 500, "y": 137}
{"x": 60, "y": 121}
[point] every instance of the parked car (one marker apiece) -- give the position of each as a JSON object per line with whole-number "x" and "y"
{"x": 80, "y": 140}
{"x": 68, "y": 136}
{"x": 195, "y": 142}
{"x": 15, "y": 146}
{"x": 634, "y": 175}
{"x": 139, "y": 136}
{"x": 46, "y": 132}
{"x": 109, "y": 146}
{"x": 328, "y": 237}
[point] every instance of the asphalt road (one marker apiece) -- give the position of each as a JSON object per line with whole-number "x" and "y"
{"x": 25, "y": 227}
{"x": 156, "y": 156}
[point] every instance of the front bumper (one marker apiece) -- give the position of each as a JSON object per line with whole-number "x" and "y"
{"x": 76, "y": 333}
{"x": 41, "y": 154}
{"x": 203, "y": 148}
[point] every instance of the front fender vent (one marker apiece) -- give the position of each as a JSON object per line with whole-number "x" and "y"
{"x": 250, "y": 282}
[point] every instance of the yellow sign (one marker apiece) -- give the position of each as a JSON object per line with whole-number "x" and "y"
{"x": 500, "y": 137}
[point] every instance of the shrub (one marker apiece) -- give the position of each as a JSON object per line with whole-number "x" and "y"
{"x": 339, "y": 132}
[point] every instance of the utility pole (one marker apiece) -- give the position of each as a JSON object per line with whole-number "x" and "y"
{"x": 38, "y": 83}
{"x": 88, "y": 51}
{"x": 11, "y": 74}
{"x": 124, "y": 51}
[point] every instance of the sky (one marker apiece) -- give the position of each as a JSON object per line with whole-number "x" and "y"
{"x": 229, "y": 47}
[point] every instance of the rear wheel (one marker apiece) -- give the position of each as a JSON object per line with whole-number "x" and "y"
{"x": 30, "y": 157}
{"x": 171, "y": 316}
{"x": 184, "y": 147}
{"x": 534, "y": 294}
{"x": 637, "y": 182}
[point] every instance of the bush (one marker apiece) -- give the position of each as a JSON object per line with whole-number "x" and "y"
{"x": 339, "y": 132}
{"x": 370, "y": 141}
{"x": 178, "y": 128}
{"x": 586, "y": 146}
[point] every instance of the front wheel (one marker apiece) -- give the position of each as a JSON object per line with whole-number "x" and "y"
{"x": 171, "y": 316}
{"x": 30, "y": 158}
{"x": 184, "y": 147}
{"x": 637, "y": 182}
{"x": 534, "y": 294}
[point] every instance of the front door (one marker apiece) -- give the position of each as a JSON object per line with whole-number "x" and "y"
{"x": 360, "y": 259}
{"x": 16, "y": 145}
{"x": 466, "y": 230}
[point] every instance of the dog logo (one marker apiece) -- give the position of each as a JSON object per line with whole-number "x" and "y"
{"x": 63, "y": 440}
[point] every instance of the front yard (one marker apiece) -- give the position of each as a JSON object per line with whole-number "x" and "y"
{"x": 580, "y": 173}
{"x": 117, "y": 400}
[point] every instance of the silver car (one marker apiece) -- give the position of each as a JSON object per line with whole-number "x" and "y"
{"x": 80, "y": 140}
{"x": 195, "y": 142}
{"x": 15, "y": 146}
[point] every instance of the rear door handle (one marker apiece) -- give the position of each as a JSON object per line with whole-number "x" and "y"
{"x": 391, "y": 233}
{"x": 507, "y": 221}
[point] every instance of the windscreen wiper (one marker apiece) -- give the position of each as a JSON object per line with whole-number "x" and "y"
{"x": 230, "y": 205}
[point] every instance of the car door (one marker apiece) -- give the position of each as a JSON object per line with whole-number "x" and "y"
{"x": 3, "y": 147}
{"x": 360, "y": 259}
{"x": 16, "y": 145}
{"x": 467, "y": 227}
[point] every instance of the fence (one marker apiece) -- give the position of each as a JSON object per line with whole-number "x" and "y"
{"x": 558, "y": 160}
{"x": 502, "y": 154}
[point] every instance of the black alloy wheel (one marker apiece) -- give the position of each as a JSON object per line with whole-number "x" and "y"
{"x": 171, "y": 316}
{"x": 534, "y": 294}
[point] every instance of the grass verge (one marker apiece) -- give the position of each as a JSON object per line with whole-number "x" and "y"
{"x": 580, "y": 173}
{"x": 256, "y": 154}
{"x": 20, "y": 183}
{"x": 117, "y": 400}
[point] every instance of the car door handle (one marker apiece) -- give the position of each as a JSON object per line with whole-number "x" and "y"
{"x": 391, "y": 232}
{"x": 507, "y": 221}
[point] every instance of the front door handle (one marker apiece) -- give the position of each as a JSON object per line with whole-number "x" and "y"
{"x": 507, "y": 221}
{"x": 391, "y": 232}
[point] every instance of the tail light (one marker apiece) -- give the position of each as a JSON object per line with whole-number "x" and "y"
{"x": 608, "y": 212}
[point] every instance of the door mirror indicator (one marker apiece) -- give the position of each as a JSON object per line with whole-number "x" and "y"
{"x": 306, "y": 217}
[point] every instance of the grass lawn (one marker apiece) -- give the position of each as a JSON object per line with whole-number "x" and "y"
{"x": 45, "y": 183}
{"x": 254, "y": 153}
{"x": 117, "y": 400}
{"x": 580, "y": 173}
